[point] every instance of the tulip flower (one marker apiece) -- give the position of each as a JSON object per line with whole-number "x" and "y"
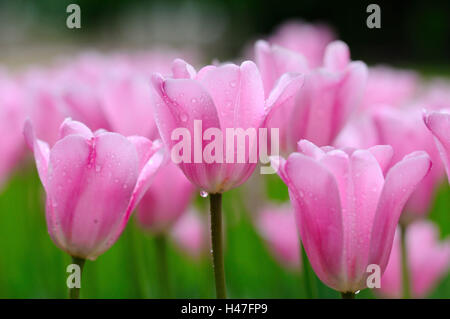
{"x": 43, "y": 104}
{"x": 159, "y": 209}
{"x": 309, "y": 40}
{"x": 125, "y": 100}
{"x": 324, "y": 104}
{"x": 439, "y": 125}
{"x": 11, "y": 119}
{"x": 93, "y": 181}
{"x": 428, "y": 261}
{"x": 346, "y": 210}
{"x": 389, "y": 86}
{"x": 277, "y": 227}
{"x": 207, "y": 105}
{"x": 405, "y": 131}
{"x": 190, "y": 234}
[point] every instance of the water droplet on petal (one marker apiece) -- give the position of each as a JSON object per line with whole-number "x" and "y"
{"x": 203, "y": 193}
{"x": 194, "y": 100}
{"x": 233, "y": 84}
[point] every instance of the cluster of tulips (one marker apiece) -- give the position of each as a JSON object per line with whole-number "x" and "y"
{"x": 363, "y": 151}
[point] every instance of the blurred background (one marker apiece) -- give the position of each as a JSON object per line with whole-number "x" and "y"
{"x": 414, "y": 34}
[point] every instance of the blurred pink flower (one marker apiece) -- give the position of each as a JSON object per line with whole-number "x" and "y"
{"x": 93, "y": 181}
{"x": 190, "y": 234}
{"x": 428, "y": 261}
{"x": 12, "y": 115}
{"x": 328, "y": 97}
{"x": 126, "y": 102}
{"x": 167, "y": 199}
{"x": 227, "y": 96}
{"x": 277, "y": 227}
{"x": 389, "y": 86}
{"x": 346, "y": 210}
{"x": 310, "y": 40}
{"x": 42, "y": 104}
{"x": 405, "y": 131}
{"x": 439, "y": 125}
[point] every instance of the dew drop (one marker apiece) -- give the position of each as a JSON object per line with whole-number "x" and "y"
{"x": 203, "y": 193}
{"x": 233, "y": 84}
{"x": 357, "y": 292}
{"x": 194, "y": 100}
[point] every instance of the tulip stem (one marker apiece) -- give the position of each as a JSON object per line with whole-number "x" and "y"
{"x": 74, "y": 293}
{"x": 161, "y": 259}
{"x": 217, "y": 245}
{"x": 405, "y": 269}
{"x": 308, "y": 276}
{"x": 348, "y": 295}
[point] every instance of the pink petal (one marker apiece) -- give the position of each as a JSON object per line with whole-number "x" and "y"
{"x": 401, "y": 180}
{"x": 41, "y": 152}
{"x": 439, "y": 124}
{"x": 318, "y": 212}
{"x": 69, "y": 127}
{"x": 337, "y": 56}
{"x": 183, "y": 70}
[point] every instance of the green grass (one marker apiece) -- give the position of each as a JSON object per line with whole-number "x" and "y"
{"x": 31, "y": 266}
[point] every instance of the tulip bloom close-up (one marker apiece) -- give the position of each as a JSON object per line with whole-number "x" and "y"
{"x": 346, "y": 208}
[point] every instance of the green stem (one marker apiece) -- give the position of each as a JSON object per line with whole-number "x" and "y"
{"x": 217, "y": 245}
{"x": 74, "y": 293}
{"x": 405, "y": 268}
{"x": 162, "y": 264}
{"x": 308, "y": 276}
{"x": 348, "y": 295}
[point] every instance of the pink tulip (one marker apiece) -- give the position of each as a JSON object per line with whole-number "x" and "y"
{"x": 439, "y": 125}
{"x": 346, "y": 210}
{"x": 227, "y": 96}
{"x": 325, "y": 102}
{"x": 277, "y": 227}
{"x": 405, "y": 131}
{"x": 42, "y": 104}
{"x": 388, "y": 86}
{"x": 428, "y": 261}
{"x": 125, "y": 99}
{"x": 310, "y": 40}
{"x": 11, "y": 121}
{"x": 437, "y": 95}
{"x": 93, "y": 181}
{"x": 167, "y": 199}
{"x": 190, "y": 234}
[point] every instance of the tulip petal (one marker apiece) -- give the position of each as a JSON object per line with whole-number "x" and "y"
{"x": 337, "y": 56}
{"x": 318, "y": 212}
{"x": 401, "y": 180}
{"x": 237, "y": 93}
{"x": 183, "y": 70}
{"x": 41, "y": 152}
{"x": 285, "y": 88}
{"x": 273, "y": 61}
{"x": 439, "y": 124}
{"x": 69, "y": 127}
{"x": 364, "y": 189}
